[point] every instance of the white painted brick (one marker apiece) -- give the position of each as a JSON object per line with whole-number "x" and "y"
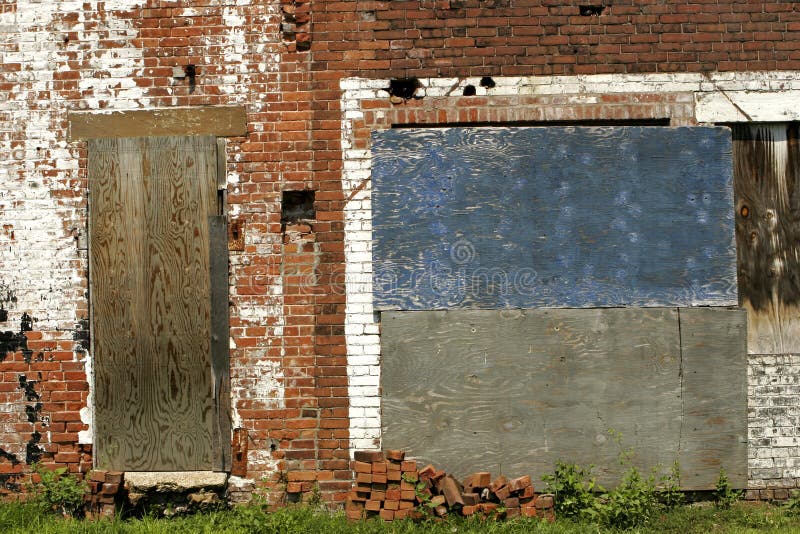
{"x": 363, "y": 380}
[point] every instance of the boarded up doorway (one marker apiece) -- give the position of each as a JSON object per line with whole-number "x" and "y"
{"x": 157, "y": 251}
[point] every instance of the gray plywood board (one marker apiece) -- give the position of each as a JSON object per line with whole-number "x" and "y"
{"x": 552, "y": 217}
{"x": 714, "y": 430}
{"x": 514, "y": 391}
{"x": 220, "y": 341}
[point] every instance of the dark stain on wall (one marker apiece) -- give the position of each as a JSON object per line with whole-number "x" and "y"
{"x": 81, "y": 335}
{"x": 7, "y": 297}
{"x": 8, "y": 456}
{"x": 28, "y": 387}
{"x": 32, "y": 411}
{"x": 11, "y": 342}
{"x": 7, "y": 481}
{"x": 33, "y": 452}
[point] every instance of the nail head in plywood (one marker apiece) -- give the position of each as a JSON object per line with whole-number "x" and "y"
{"x": 219, "y": 121}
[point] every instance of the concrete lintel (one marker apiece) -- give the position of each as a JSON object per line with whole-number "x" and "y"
{"x": 174, "y": 481}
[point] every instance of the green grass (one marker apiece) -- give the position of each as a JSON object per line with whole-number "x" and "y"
{"x": 740, "y": 518}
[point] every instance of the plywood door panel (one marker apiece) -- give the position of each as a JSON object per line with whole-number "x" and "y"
{"x": 149, "y": 219}
{"x": 767, "y": 187}
{"x": 497, "y": 218}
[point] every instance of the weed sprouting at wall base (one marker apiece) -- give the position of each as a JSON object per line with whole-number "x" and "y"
{"x": 59, "y": 491}
{"x": 724, "y": 495}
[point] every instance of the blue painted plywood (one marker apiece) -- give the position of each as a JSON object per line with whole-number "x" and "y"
{"x": 553, "y": 217}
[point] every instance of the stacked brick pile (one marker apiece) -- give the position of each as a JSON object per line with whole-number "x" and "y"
{"x": 103, "y": 493}
{"x": 391, "y": 487}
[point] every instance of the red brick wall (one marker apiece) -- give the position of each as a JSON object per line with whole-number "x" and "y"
{"x": 430, "y": 38}
{"x": 256, "y": 55}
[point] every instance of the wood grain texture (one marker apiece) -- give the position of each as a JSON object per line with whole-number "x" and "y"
{"x": 513, "y": 391}
{"x": 767, "y": 189}
{"x": 552, "y": 217}
{"x": 220, "y": 341}
{"x": 714, "y": 429}
{"x": 117, "y": 274}
{"x": 220, "y": 121}
{"x": 150, "y": 203}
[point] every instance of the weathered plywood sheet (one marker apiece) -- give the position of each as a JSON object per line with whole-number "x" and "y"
{"x": 767, "y": 187}
{"x": 714, "y": 429}
{"x": 149, "y": 254}
{"x": 220, "y": 340}
{"x": 552, "y": 217}
{"x": 220, "y": 121}
{"x": 513, "y": 391}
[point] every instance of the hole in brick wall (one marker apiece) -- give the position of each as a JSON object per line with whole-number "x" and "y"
{"x": 591, "y": 11}
{"x": 297, "y": 206}
{"x": 191, "y": 73}
{"x": 469, "y": 90}
{"x": 403, "y": 87}
{"x": 487, "y": 82}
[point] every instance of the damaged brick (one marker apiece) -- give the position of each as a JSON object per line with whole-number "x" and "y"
{"x": 296, "y": 22}
{"x": 591, "y": 11}
{"x": 404, "y": 88}
{"x": 297, "y": 206}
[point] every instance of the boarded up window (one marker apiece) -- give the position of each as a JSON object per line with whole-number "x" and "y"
{"x": 623, "y": 238}
{"x": 157, "y": 396}
{"x": 553, "y": 217}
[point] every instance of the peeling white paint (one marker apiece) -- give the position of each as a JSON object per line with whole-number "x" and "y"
{"x": 748, "y": 106}
{"x": 86, "y": 437}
